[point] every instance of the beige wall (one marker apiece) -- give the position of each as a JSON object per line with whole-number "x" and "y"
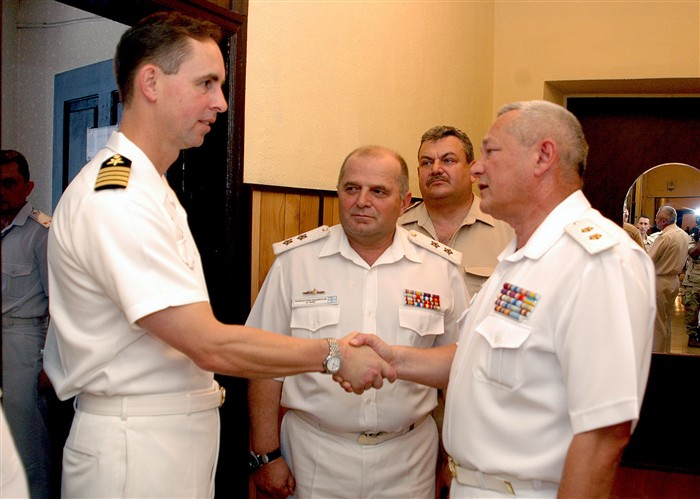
{"x": 592, "y": 40}
{"x": 324, "y": 77}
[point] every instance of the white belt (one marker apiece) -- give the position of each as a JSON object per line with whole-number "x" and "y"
{"x": 164, "y": 404}
{"x": 366, "y": 437}
{"x": 499, "y": 483}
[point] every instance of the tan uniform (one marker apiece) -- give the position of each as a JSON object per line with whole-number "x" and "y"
{"x": 669, "y": 253}
{"x": 480, "y": 238}
{"x": 634, "y": 233}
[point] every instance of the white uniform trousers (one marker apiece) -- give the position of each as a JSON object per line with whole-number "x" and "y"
{"x": 326, "y": 465}
{"x": 141, "y": 456}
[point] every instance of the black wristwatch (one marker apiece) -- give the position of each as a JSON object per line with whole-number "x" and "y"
{"x": 257, "y": 461}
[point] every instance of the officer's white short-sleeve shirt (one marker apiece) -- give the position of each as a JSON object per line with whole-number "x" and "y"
{"x": 325, "y": 289}
{"x": 115, "y": 256}
{"x": 521, "y": 387}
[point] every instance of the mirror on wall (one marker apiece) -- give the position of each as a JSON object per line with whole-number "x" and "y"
{"x": 677, "y": 185}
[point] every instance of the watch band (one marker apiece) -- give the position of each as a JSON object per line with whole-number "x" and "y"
{"x": 257, "y": 461}
{"x": 333, "y": 347}
{"x": 332, "y": 362}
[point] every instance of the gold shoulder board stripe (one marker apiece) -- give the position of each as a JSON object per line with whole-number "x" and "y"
{"x": 114, "y": 173}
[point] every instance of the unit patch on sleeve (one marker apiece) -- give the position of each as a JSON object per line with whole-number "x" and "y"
{"x": 114, "y": 173}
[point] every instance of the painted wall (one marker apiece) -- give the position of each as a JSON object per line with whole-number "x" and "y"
{"x": 591, "y": 40}
{"x": 325, "y": 77}
{"x": 41, "y": 38}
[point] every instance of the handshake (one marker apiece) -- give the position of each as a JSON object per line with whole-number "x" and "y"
{"x": 366, "y": 362}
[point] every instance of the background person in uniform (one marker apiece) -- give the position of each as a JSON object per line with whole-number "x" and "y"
{"x": 691, "y": 292}
{"x": 132, "y": 333}
{"x": 532, "y": 408}
{"x": 25, "y": 308}
{"x": 450, "y": 212}
{"x": 631, "y": 230}
{"x": 365, "y": 274}
{"x": 643, "y": 224}
{"x": 669, "y": 253}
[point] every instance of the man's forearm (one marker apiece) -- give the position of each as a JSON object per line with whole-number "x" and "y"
{"x": 592, "y": 460}
{"x": 427, "y": 366}
{"x": 253, "y": 353}
{"x": 264, "y": 404}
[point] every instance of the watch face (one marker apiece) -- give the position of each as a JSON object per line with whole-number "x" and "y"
{"x": 333, "y": 364}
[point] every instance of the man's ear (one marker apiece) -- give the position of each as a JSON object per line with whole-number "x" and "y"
{"x": 547, "y": 156}
{"x": 406, "y": 202}
{"x": 29, "y": 187}
{"x": 147, "y": 81}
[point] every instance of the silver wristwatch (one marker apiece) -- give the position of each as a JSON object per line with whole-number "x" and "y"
{"x": 332, "y": 363}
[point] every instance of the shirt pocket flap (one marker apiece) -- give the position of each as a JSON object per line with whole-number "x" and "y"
{"x": 14, "y": 269}
{"x": 503, "y": 332}
{"x": 314, "y": 318}
{"x": 421, "y": 321}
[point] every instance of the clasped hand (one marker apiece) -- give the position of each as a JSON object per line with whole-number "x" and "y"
{"x": 366, "y": 363}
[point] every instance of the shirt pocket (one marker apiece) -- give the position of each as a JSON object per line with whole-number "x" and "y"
{"x": 316, "y": 322}
{"x": 420, "y": 327}
{"x": 503, "y": 363}
{"x": 18, "y": 278}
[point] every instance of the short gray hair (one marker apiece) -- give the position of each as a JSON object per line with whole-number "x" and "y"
{"x": 538, "y": 119}
{"x": 401, "y": 180}
{"x": 670, "y": 213}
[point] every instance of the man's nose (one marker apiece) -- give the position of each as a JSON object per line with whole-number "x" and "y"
{"x": 363, "y": 198}
{"x": 220, "y": 101}
{"x": 475, "y": 168}
{"x": 437, "y": 167}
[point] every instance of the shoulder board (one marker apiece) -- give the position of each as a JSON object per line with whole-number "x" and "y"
{"x": 40, "y": 217}
{"x": 412, "y": 206}
{"x": 590, "y": 235}
{"x": 435, "y": 247}
{"x": 114, "y": 173}
{"x": 301, "y": 239}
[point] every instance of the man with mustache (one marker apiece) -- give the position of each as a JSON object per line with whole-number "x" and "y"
{"x": 450, "y": 212}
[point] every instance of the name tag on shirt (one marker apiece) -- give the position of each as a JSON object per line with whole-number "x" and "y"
{"x": 315, "y": 301}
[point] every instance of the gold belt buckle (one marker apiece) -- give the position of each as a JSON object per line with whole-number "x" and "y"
{"x": 222, "y": 390}
{"x": 369, "y": 438}
{"x": 451, "y": 466}
{"x": 509, "y": 487}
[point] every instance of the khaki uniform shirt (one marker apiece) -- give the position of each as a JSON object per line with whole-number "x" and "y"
{"x": 669, "y": 251}
{"x": 480, "y": 239}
